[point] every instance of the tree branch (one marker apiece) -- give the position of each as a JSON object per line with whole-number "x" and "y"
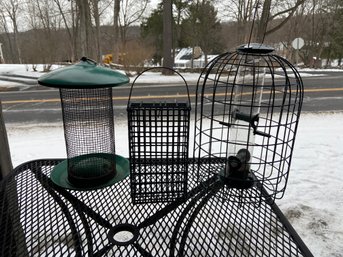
{"x": 291, "y": 11}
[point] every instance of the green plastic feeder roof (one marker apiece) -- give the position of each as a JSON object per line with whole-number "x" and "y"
{"x": 85, "y": 74}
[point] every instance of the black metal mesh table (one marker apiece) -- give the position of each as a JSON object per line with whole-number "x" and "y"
{"x": 41, "y": 219}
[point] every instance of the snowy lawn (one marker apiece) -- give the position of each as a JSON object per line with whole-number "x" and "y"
{"x": 313, "y": 201}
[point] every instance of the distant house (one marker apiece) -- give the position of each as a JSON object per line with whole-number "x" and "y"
{"x": 184, "y": 59}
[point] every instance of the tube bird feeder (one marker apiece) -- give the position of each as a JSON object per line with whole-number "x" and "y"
{"x": 86, "y": 98}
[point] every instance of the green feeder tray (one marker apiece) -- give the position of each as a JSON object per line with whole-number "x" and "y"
{"x": 86, "y": 166}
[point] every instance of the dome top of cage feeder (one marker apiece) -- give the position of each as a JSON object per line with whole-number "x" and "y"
{"x": 85, "y": 74}
{"x": 255, "y": 48}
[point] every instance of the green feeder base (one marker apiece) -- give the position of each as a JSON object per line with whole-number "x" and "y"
{"x": 59, "y": 174}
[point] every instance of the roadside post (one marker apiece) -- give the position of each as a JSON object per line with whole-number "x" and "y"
{"x": 297, "y": 44}
{"x": 5, "y": 156}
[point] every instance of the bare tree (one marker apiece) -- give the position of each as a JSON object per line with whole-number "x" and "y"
{"x": 268, "y": 15}
{"x": 85, "y": 27}
{"x": 241, "y": 12}
{"x": 126, "y": 13}
{"x": 96, "y": 15}
{"x": 4, "y": 25}
{"x": 69, "y": 25}
{"x": 45, "y": 24}
{"x": 131, "y": 13}
{"x": 255, "y": 17}
{"x": 321, "y": 20}
{"x": 11, "y": 9}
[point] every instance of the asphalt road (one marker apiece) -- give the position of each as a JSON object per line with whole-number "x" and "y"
{"x": 40, "y": 104}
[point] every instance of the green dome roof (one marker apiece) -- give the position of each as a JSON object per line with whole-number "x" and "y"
{"x": 85, "y": 74}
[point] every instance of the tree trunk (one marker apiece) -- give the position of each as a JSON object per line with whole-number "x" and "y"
{"x": 167, "y": 36}
{"x": 115, "y": 54}
{"x": 7, "y": 33}
{"x": 16, "y": 41}
{"x": 83, "y": 33}
{"x": 263, "y": 23}
{"x": 75, "y": 29}
{"x": 265, "y": 18}
{"x": 97, "y": 29}
{"x": 12, "y": 11}
{"x": 85, "y": 27}
{"x": 70, "y": 34}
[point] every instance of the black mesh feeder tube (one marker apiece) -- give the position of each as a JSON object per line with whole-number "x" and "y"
{"x": 87, "y": 109}
{"x": 248, "y": 104}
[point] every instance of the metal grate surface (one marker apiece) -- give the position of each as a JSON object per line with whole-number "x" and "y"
{"x": 40, "y": 219}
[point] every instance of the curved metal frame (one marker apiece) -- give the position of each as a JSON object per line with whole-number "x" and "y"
{"x": 271, "y": 95}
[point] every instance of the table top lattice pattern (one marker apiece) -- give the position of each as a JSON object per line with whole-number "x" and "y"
{"x": 58, "y": 222}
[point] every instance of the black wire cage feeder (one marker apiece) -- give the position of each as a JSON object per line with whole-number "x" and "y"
{"x": 248, "y": 104}
{"x": 158, "y": 145}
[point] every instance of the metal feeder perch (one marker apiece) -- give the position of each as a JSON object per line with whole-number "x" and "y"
{"x": 248, "y": 104}
{"x": 86, "y": 99}
{"x": 158, "y": 147}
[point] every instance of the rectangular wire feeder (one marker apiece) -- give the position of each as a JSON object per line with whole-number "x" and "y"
{"x": 158, "y": 144}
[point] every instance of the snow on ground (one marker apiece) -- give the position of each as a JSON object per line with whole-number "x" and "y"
{"x": 313, "y": 201}
{"x": 320, "y": 70}
{"x": 33, "y": 141}
{"x": 22, "y": 72}
{"x": 24, "y": 69}
{"x": 155, "y": 77}
{"x": 21, "y": 76}
{"x": 26, "y": 72}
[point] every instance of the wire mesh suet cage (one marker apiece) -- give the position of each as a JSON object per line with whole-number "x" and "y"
{"x": 248, "y": 104}
{"x": 158, "y": 145}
